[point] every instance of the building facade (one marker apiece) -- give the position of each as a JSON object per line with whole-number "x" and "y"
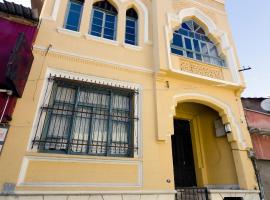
{"x": 258, "y": 120}
{"x": 18, "y": 26}
{"x": 130, "y": 99}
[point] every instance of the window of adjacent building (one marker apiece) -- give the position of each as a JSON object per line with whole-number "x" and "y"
{"x": 131, "y": 36}
{"x": 73, "y": 15}
{"x": 86, "y": 118}
{"x": 104, "y": 20}
{"x": 191, "y": 41}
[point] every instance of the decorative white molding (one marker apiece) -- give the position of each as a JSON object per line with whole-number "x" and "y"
{"x": 68, "y": 32}
{"x": 221, "y": 1}
{"x": 146, "y": 69}
{"x": 146, "y": 17}
{"x": 203, "y": 98}
{"x": 86, "y": 78}
{"x": 120, "y": 192}
{"x": 54, "y": 12}
{"x": 100, "y": 39}
{"x": 132, "y": 47}
{"x": 197, "y": 2}
{"x": 227, "y": 48}
{"x": 26, "y": 159}
{"x": 55, "y": 9}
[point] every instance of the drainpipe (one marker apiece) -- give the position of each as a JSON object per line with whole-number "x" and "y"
{"x": 252, "y": 156}
{"x": 9, "y": 93}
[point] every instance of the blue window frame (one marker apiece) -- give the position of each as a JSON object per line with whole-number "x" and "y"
{"x": 191, "y": 41}
{"x": 89, "y": 119}
{"x": 73, "y": 15}
{"x": 104, "y": 21}
{"x": 131, "y": 27}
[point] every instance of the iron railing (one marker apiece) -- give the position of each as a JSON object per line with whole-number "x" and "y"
{"x": 192, "y": 193}
{"x": 84, "y": 118}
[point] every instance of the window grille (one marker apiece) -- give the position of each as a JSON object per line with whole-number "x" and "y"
{"x": 131, "y": 27}
{"x": 191, "y": 41}
{"x": 73, "y": 15}
{"x": 104, "y": 20}
{"x": 87, "y": 118}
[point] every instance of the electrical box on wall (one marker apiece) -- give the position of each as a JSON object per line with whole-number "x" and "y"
{"x": 219, "y": 127}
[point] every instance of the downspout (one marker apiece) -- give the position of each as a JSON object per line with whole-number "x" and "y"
{"x": 9, "y": 93}
{"x": 252, "y": 156}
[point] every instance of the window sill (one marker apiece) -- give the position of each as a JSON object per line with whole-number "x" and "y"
{"x": 133, "y": 47}
{"x": 68, "y": 32}
{"x": 100, "y": 39}
{"x": 80, "y": 157}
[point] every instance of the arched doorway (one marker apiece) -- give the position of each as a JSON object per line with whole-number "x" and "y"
{"x": 200, "y": 157}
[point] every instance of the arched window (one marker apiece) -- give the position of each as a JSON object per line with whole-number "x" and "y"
{"x": 191, "y": 41}
{"x": 104, "y": 20}
{"x": 131, "y": 36}
{"x": 73, "y": 15}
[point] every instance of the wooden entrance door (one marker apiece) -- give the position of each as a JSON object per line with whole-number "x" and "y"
{"x": 183, "y": 161}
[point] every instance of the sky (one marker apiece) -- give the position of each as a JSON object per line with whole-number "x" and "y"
{"x": 249, "y": 20}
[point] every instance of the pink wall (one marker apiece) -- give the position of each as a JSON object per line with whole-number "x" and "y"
{"x": 261, "y": 144}
{"x": 258, "y": 120}
{"x": 8, "y": 35}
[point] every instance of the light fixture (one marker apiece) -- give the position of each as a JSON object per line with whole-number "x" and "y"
{"x": 228, "y": 128}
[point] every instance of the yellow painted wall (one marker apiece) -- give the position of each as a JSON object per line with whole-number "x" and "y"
{"x": 78, "y": 172}
{"x": 161, "y": 89}
{"x": 213, "y": 156}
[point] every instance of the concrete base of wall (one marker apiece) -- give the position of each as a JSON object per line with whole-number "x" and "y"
{"x": 213, "y": 195}
{"x": 245, "y": 194}
{"x": 264, "y": 168}
{"x": 90, "y": 197}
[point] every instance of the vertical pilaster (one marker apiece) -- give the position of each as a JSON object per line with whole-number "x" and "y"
{"x": 121, "y": 25}
{"x": 86, "y": 17}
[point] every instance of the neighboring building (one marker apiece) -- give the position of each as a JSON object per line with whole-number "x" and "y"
{"x": 130, "y": 99}
{"x": 18, "y": 30}
{"x": 257, "y": 111}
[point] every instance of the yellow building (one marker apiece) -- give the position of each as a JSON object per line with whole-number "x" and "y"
{"x": 131, "y": 100}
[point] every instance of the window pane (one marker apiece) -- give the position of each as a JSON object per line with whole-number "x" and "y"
{"x": 98, "y": 14}
{"x": 87, "y": 119}
{"x": 185, "y": 26}
{"x": 198, "y": 56}
{"x": 204, "y": 48}
{"x": 96, "y": 30}
{"x": 188, "y": 43}
{"x": 81, "y": 130}
{"x": 65, "y": 94}
{"x": 177, "y": 51}
{"x": 73, "y": 21}
{"x": 189, "y": 54}
{"x": 73, "y": 16}
{"x": 183, "y": 32}
{"x": 196, "y": 45}
{"x": 108, "y": 33}
{"x": 213, "y": 50}
{"x": 130, "y": 30}
{"x": 191, "y": 34}
{"x": 119, "y": 138}
{"x": 198, "y": 36}
{"x": 99, "y": 133}
{"x": 177, "y": 40}
{"x": 110, "y": 18}
{"x": 97, "y": 21}
{"x": 206, "y": 59}
{"x": 76, "y": 7}
{"x": 130, "y": 39}
{"x": 130, "y": 23}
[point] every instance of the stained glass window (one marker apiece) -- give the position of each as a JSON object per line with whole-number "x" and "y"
{"x": 191, "y": 41}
